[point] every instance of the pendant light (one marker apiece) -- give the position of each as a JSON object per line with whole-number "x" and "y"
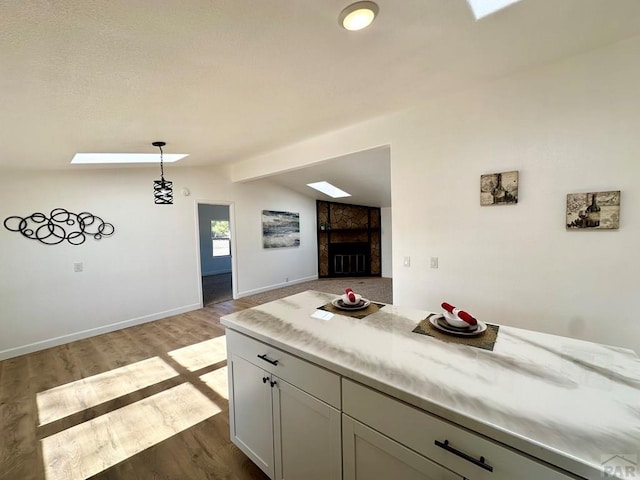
{"x": 162, "y": 189}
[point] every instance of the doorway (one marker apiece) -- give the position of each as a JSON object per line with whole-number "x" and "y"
{"x": 216, "y": 266}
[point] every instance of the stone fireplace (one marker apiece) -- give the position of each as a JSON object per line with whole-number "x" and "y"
{"x": 348, "y": 240}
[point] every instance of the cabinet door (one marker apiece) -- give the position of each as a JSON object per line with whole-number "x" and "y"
{"x": 307, "y": 436}
{"x": 250, "y": 412}
{"x": 369, "y": 455}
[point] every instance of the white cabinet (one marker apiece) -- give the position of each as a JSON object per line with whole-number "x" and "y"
{"x": 251, "y": 421}
{"x": 307, "y": 436}
{"x": 369, "y": 455}
{"x": 466, "y": 453}
{"x": 288, "y": 432}
{"x": 297, "y": 421}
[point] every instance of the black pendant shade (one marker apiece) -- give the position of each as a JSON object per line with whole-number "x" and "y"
{"x": 163, "y": 192}
{"x": 162, "y": 189}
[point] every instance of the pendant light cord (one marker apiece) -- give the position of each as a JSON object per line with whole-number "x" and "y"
{"x": 162, "y": 189}
{"x": 161, "y": 164}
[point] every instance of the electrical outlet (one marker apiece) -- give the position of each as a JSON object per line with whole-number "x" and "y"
{"x": 434, "y": 262}
{"x": 78, "y": 267}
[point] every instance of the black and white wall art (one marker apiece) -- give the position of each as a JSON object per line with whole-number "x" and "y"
{"x": 499, "y": 188}
{"x": 280, "y": 229}
{"x": 596, "y": 210}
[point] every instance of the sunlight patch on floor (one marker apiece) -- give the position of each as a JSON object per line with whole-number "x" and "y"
{"x": 202, "y": 354}
{"x": 96, "y": 445}
{"x": 70, "y": 398}
{"x": 218, "y": 381}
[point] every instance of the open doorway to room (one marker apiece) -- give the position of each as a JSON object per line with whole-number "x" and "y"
{"x": 216, "y": 266}
{"x": 366, "y": 176}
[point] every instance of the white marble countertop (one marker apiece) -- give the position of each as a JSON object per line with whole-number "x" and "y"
{"x": 571, "y": 403}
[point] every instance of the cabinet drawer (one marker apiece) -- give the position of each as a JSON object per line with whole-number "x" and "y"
{"x": 419, "y": 431}
{"x": 310, "y": 378}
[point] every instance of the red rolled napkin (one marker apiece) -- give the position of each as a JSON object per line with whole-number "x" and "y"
{"x": 461, "y": 314}
{"x": 447, "y": 307}
{"x": 350, "y": 294}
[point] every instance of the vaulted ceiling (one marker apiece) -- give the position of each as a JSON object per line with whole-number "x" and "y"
{"x": 226, "y": 79}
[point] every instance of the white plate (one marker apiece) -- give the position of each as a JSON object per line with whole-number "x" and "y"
{"x": 454, "y": 331}
{"x": 338, "y": 303}
{"x": 345, "y": 299}
{"x": 454, "y": 321}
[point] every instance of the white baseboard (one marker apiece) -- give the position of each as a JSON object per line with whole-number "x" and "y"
{"x": 277, "y": 285}
{"x": 54, "y": 342}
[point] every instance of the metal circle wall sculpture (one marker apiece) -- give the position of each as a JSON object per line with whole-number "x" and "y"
{"x": 59, "y": 226}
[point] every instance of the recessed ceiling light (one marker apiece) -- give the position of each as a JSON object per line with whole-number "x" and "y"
{"x": 107, "y": 158}
{"x": 328, "y": 189}
{"x": 358, "y": 15}
{"x": 482, "y": 8}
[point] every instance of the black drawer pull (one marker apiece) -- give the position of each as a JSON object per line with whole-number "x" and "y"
{"x": 460, "y": 454}
{"x": 264, "y": 357}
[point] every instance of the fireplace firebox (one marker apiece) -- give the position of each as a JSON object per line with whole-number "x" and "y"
{"x": 349, "y": 259}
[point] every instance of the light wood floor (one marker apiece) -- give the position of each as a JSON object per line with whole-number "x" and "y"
{"x": 146, "y": 402}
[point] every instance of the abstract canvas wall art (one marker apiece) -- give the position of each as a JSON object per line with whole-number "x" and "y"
{"x": 597, "y": 210}
{"x": 280, "y": 229}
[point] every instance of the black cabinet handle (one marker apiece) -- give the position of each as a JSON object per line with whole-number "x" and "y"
{"x": 480, "y": 463}
{"x": 264, "y": 357}
{"x": 273, "y": 383}
{"x": 265, "y": 379}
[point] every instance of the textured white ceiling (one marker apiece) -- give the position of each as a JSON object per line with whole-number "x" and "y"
{"x": 224, "y": 79}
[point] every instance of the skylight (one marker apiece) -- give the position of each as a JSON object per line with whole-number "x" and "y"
{"x": 328, "y": 189}
{"x": 106, "y": 158}
{"x": 482, "y": 8}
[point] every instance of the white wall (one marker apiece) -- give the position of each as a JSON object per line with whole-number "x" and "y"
{"x": 148, "y": 269}
{"x": 567, "y": 127}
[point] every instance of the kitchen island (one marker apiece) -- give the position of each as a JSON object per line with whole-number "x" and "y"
{"x": 536, "y": 403}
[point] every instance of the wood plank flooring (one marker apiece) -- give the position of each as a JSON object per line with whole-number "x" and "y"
{"x": 146, "y": 402}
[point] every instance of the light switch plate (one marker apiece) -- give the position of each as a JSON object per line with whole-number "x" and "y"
{"x": 434, "y": 262}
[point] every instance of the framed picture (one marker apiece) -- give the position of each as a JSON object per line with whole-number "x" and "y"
{"x": 499, "y": 188}
{"x": 597, "y": 210}
{"x": 280, "y": 229}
